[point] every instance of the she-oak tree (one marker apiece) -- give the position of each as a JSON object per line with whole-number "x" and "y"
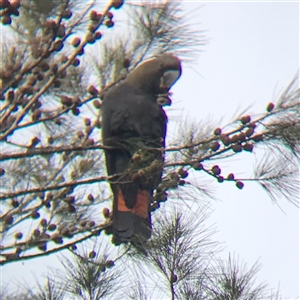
{"x": 56, "y": 64}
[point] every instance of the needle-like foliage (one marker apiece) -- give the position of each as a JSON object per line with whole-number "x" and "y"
{"x": 58, "y": 58}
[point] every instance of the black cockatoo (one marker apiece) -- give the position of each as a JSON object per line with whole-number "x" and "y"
{"x": 134, "y": 127}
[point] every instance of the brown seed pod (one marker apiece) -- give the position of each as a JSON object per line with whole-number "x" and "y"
{"x": 197, "y": 166}
{"x": 270, "y": 107}
{"x": 76, "y": 42}
{"x": 8, "y": 219}
{"x": 15, "y": 3}
{"x": 36, "y": 233}
{"x": 234, "y": 138}
{"x": 183, "y": 173}
{"x": 75, "y": 111}
{"x": 220, "y": 179}
{"x": 225, "y": 139}
{"x": 70, "y": 199}
{"x": 252, "y": 125}
{"x": 71, "y": 209}
{"x": 92, "y": 254}
{"x": 245, "y": 119}
{"x": 80, "y": 51}
{"x": 57, "y": 239}
{"x": 242, "y": 137}
{"x": 52, "y": 227}
{"x": 93, "y": 27}
{"x": 109, "y": 23}
{"x": 10, "y": 96}
{"x": 4, "y": 4}
{"x": 77, "y": 101}
{"x": 18, "y": 235}
{"x": 6, "y": 20}
{"x": 58, "y": 45}
{"x": 248, "y": 147}
{"x": 230, "y": 176}
{"x": 2, "y": 172}
{"x": 57, "y": 121}
{"x": 92, "y": 90}
{"x": 63, "y": 59}
{"x": 15, "y": 203}
{"x": 126, "y": 63}
{"x": 90, "y": 197}
{"x": 98, "y": 35}
{"x": 109, "y": 263}
{"x": 31, "y": 80}
{"x": 89, "y": 142}
{"x": 36, "y": 115}
{"x": 35, "y": 215}
{"x": 50, "y": 140}
{"x": 216, "y": 170}
{"x": 11, "y": 10}
{"x": 34, "y": 141}
{"x": 87, "y": 122}
{"x": 73, "y": 174}
{"x": 161, "y": 197}
{"x": 82, "y": 223}
{"x": 91, "y": 224}
{"x": 5, "y": 74}
{"x": 97, "y": 104}
{"x": 44, "y": 222}
{"x": 173, "y": 278}
{"x": 40, "y": 76}
{"x": 65, "y": 232}
{"x": 49, "y": 196}
{"x": 106, "y": 212}
{"x": 80, "y": 134}
{"x": 94, "y": 16}
{"x": 73, "y": 247}
{"x": 44, "y": 66}
{"x": 239, "y": 185}
{"x": 181, "y": 182}
{"x": 57, "y": 83}
{"x": 19, "y": 250}
{"x": 45, "y": 236}
{"x": 97, "y": 124}
{"x": 26, "y": 89}
{"x": 66, "y": 14}
{"x": 258, "y": 138}
{"x": 217, "y": 131}
{"x": 65, "y": 100}
{"x": 249, "y": 131}
{"x": 76, "y": 62}
{"x": 90, "y": 38}
{"x": 215, "y": 146}
{"x": 117, "y": 3}
{"x": 109, "y": 15}
{"x": 43, "y": 247}
{"x": 54, "y": 68}
{"x": 237, "y": 148}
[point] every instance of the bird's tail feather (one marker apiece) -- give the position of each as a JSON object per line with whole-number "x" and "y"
{"x": 131, "y": 223}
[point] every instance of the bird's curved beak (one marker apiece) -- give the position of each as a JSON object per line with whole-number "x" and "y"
{"x": 168, "y": 79}
{"x": 166, "y": 82}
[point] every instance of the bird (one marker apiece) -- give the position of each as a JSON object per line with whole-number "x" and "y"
{"x": 134, "y": 126}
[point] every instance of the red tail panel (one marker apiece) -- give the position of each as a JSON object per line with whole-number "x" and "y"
{"x": 141, "y": 207}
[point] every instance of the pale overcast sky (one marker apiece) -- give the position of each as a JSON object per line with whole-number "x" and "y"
{"x": 252, "y": 55}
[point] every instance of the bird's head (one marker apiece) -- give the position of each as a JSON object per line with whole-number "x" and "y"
{"x": 158, "y": 75}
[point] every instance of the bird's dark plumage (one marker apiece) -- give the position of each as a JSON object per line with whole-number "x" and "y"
{"x": 134, "y": 125}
